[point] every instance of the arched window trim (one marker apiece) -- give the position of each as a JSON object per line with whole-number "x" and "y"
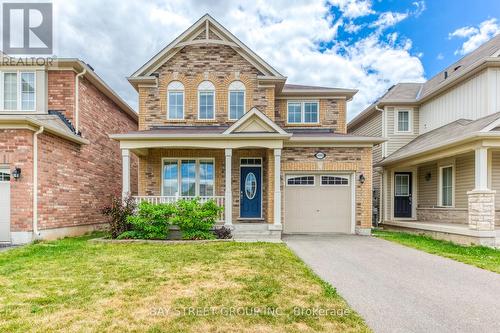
{"x": 206, "y": 86}
{"x": 236, "y": 86}
{"x": 176, "y": 87}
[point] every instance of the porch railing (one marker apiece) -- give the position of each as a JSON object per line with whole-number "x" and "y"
{"x": 219, "y": 201}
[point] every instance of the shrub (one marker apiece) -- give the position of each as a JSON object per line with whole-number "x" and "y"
{"x": 151, "y": 221}
{"x": 118, "y": 212}
{"x": 195, "y": 219}
{"x": 222, "y": 233}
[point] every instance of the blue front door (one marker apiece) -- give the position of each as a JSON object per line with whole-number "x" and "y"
{"x": 250, "y": 192}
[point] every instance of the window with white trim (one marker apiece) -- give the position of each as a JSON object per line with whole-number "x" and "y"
{"x": 303, "y": 112}
{"x": 236, "y": 100}
{"x": 446, "y": 186}
{"x": 188, "y": 177}
{"x": 334, "y": 180}
{"x": 175, "y": 97}
{"x": 403, "y": 121}
{"x": 4, "y": 174}
{"x": 300, "y": 180}
{"x": 206, "y": 101}
{"x": 18, "y": 91}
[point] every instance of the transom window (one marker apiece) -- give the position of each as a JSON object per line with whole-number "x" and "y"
{"x": 4, "y": 175}
{"x": 403, "y": 121}
{"x": 305, "y": 112}
{"x": 300, "y": 180}
{"x": 251, "y": 161}
{"x": 175, "y": 100}
{"x": 446, "y": 186}
{"x": 188, "y": 177}
{"x": 236, "y": 100}
{"x": 334, "y": 180}
{"x": 18, "y": 91}
{"x": 206, "y": 101}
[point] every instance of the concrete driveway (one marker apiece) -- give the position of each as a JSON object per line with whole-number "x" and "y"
{"x": 399, "y": 289}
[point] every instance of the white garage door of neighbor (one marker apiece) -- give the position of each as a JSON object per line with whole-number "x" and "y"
{"x": 4, "y": 205}
{"x": 318, "y": 203}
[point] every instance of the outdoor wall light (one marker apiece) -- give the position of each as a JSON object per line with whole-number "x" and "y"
{"x": 16, "y": 173}
{"x": 362, "y": 178}
{"x": 428, "y": 176}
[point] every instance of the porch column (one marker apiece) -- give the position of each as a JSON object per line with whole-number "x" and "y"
{"x": 228, "y": 196}
{"x": 481, "y": 198}
{"x": 125, "y": 173}
{"x": 277, "y": 187}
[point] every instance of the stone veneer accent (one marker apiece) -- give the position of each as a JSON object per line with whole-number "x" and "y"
{"x": 442, "y": 215}
{"x": 481, "y": 209}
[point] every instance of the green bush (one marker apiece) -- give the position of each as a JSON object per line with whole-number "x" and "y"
{"x": 117, "y": 212}
{"x": 195, "y": 219}
{"x": 151, "y": 221}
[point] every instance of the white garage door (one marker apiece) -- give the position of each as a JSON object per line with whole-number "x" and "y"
{"x": 318, "y": 203}
{"x": 4, "y": 205}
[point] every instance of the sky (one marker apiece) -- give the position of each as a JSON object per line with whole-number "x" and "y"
{"x": 368, "y": 45}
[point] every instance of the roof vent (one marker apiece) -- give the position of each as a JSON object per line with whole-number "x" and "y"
{"x": 445, "y": 75}
{"x": 91, "y": 68}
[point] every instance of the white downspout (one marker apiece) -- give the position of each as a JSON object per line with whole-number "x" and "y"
{"x": 36, "y": 233}
{"x": 382, "y": 195}
{"x": 77, "y": 99}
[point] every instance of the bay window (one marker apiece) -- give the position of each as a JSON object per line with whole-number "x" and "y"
{"x": 188, "y": 177}
{"x": 303, "y": 112}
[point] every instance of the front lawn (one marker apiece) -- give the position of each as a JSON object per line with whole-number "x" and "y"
{"x": 76, "y": 285}
{"x": 480, "y": 256}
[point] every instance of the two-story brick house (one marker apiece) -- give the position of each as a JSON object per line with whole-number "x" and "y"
{"x": 217, "y": 122}
{"x": 58, "y": 167}
{"x": 439, "y": 170}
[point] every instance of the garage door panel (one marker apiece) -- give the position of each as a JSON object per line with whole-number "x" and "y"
{"x": 318, "y": 208}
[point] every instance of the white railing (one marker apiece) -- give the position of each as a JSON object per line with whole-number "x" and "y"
{"x": 219, "y": 200}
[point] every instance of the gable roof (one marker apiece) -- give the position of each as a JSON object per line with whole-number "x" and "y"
{"x": 441, "y": 137}
{"x": 208, "y": 24}
{"x": 258, "y": 121}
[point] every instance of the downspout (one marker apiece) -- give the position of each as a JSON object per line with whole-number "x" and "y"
{"x": 381, "y": 194}
{"x": 77, "y": 100}
{"x": 36, "y": 233}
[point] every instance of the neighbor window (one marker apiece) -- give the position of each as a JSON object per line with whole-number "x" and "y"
{"x": 175, "y": 100}
{"x": 4, "y": 175}
{"x": 206, "y": 101}
{"x": 403, "y": 121}
{"x": 447, "y": 186}
{"x": 188, "y": 177}
{"x": 303, "y": 112}
{"x": 19, "y": 91}
{"x": 236, "y": 100}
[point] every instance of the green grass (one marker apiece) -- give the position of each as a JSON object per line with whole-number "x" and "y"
{"x": 75, "y": 285}
{"x": 480, "y": 256}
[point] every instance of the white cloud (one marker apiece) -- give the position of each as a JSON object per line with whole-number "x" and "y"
{"x": 420, "y": 7}
{"x": 388, "y": 19}
{"x": 476, "y": 35}
{"x": 118, "y": 36}
{"x": 440, "y": 56}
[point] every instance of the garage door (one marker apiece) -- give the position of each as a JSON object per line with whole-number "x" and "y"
{"x": 4, "y": 205}
{"x": 318, "y": 203}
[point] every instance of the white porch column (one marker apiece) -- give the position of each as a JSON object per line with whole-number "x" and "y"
{"x": 277, "y": 186}
{"x": 481, "y": 177}
{"x": 125, "y": 173}
{"x": 228, "y": 196}
{"x": 481, "y": 198}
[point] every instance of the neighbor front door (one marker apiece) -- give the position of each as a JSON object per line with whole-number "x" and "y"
{"x": 250, "y": 192}
{"x": 402, "y": 194}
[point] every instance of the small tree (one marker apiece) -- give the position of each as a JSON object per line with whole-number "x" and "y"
{"x": 118, "y": 212}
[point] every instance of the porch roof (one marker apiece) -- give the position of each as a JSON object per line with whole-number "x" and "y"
{"x": 450, "y": 135}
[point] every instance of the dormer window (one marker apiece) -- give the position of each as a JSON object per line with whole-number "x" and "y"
{"x": 236, "y": 100}
{"x": 175, "y": 92}
{"x": 18, "y": 91}
{"x": 303, "y": 112}
{"x": 206, "y": 101}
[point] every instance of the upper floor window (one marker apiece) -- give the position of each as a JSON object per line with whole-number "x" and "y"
{"x": 206, "y": 101}
{"x": 305, "y": 112}
{"x": 18, "y": 91}
{"x": 236, "y": 100}
{"x": 403, "y": 121}
{"x": 175, "y": 91}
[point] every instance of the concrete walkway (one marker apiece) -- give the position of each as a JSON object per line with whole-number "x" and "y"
{"x": 399, "y": 289}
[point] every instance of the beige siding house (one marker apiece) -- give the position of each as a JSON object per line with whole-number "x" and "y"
{"x": 218, "y": 123}
{"x": 439, "y": 168}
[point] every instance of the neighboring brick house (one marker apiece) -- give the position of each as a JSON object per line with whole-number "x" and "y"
{"x": 217, "y": 122}
{"x": 439, "y": 170}
{"x": 54, "y": 127}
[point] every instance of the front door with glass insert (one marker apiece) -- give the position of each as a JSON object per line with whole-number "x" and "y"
{"x": 250, "y": 192}
{"x": 402, "y": 194}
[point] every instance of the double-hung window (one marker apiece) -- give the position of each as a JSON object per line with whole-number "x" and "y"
{"x": 18, "y": 91}
{"x": 206, "y": 101}
{"x": 188, "y": 177}
{"x": 175, "y": 97}
{"x": 403, "y": 121}
{"x": 305, "y": 112}
{"x": 446, "y": 186}
{"x": 236, "y": 100}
